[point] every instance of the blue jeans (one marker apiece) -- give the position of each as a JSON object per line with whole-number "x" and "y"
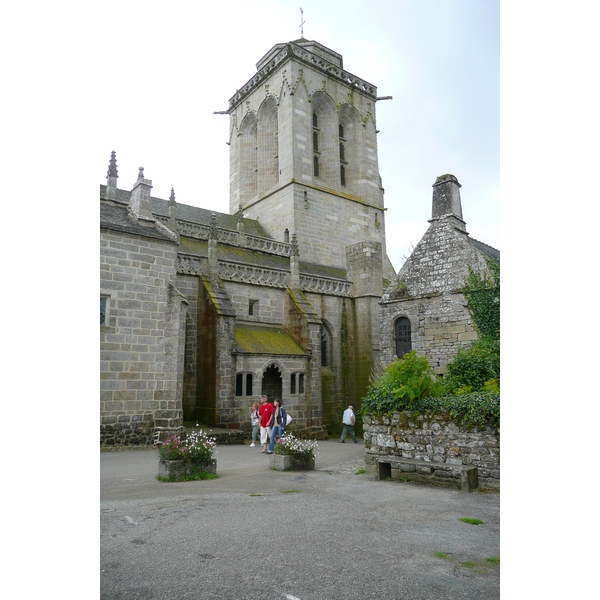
{"x": 277, "y": 428}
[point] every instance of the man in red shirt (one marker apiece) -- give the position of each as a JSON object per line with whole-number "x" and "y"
{"x": 266, "y": 417}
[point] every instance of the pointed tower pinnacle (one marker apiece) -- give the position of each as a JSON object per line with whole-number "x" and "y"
{"x": 213, "y": 263}
{"x": 240, "y": 226}
{"x": 294, "y": 264}
{"x": 111, "y": 177}
{"x": 172, "y": 212}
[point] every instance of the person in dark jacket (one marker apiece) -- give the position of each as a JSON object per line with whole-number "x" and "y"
{"x": 279, "y": 423}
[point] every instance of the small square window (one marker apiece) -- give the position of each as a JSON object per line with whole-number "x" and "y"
{"x": 248, "y": 384}
{"x": 293, "y": 383}
{"x": 239, "y": 382}
{"x": 301, "y": 383}
{"x": 252, "y": 306}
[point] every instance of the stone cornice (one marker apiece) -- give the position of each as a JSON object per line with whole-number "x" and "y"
{"x": 324, "y": 285}
{"x": 293, "y": 51}
{"x": 319, "y": 188}
{"x": 228, "y": 236}
{"x": 188, "y": 264}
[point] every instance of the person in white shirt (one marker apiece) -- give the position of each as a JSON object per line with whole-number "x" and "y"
{"x": 348, "y": 420}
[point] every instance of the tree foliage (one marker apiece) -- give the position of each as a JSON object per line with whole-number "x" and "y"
{"x": 473, "y": 368}
{"x": 482, "y": 292}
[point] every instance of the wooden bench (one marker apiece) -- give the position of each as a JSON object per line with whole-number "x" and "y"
{"x": 468, "y": 473}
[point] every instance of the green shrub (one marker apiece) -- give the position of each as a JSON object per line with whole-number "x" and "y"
{"x": 469, "y": 393}
{"x": 404, "y": 382}
{"x": 472, "y": 367}
{"x": 476, "y": 409}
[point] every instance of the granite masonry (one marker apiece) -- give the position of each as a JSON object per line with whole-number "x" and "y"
{"x": 434, "y": 441}
{"x": 424, "y": 308}
{"x": 202, "y": 312}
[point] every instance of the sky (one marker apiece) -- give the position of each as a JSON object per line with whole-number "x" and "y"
{"x": 169, "y": 67}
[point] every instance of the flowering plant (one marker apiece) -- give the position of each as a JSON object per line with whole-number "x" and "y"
{"x": 198, "y": 447}
{"x": 289, "y": 444}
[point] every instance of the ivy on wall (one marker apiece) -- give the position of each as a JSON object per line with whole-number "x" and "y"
{"x": 483, "y": 296}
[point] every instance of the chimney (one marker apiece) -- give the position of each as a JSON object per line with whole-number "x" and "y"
{"x": 139, "y": 202}
{"x": 111, "y": 177}
{"x": 446, "y": 198}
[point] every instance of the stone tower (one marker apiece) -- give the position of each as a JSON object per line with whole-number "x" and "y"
{"x": 303, "y": 153}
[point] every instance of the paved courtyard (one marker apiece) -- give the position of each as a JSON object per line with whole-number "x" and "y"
{"x": 258, "y": 533}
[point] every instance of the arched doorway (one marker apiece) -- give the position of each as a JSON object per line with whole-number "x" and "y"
{"x": 271, "y": 382}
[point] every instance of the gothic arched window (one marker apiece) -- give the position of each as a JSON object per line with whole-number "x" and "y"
{"x": 402, "y": 335}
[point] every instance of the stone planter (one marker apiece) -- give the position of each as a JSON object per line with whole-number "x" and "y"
{"x": 177, "y": 468}
{"x": 292, "y": 462}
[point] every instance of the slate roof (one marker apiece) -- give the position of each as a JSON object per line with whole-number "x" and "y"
{"x": 485, "y": 249}
{"x": 193, "y": 214}
{"x": 115, "y": 215}
{"x": 256, "y": 258}
{"x": 118, "y": 218}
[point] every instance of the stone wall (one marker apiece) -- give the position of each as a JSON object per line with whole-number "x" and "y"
{"x": 141, "y": 343}
{"x": 434, "y": 439}
{"x": 440, "y": 325}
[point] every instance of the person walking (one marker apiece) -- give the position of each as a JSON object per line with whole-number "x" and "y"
{"x": 255, "y": 421}
{"x": 348, "y": 420}
{"x": 279, "y": 422}
{"x": 266, "y": 420}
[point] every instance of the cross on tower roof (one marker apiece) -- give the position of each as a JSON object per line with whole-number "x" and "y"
{"x": 302, "y": 21}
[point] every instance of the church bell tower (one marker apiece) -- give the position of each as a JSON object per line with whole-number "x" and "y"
{"x": 303, "y": 153}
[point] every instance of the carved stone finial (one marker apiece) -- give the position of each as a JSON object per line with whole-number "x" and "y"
{"x": 213, "y": 226}
{"x": 141, "y": 173}
{"x": 112, "y": 166}
{"x": 240, "y": 215}
{"x": 295, "y": 248}
{"x": 172, "y": 197}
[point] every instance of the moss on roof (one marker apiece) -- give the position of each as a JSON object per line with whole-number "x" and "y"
{"x": 317, "y": 270}
{"x": 258, "y": 339}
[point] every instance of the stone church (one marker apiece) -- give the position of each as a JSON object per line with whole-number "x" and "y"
{"x": 424, "y": 308}
{"x": 202, "y": 312}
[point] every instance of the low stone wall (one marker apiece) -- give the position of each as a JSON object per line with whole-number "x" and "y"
{"x": 434, "y": 439}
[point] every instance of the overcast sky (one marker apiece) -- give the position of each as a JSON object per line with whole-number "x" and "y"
{"x": 167, "y": 67}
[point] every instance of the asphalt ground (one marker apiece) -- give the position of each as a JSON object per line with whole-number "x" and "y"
{"x": 324, "y": 534}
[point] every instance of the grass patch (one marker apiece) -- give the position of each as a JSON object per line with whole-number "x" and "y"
{"x": 471, "y": 521}
{"x": 470, "y": 564}
{"x": 361, "y": 471}
{"x": 442, "y": 555}
{"x": 494, "y": 560}
{"x": 290, "y": 491}
{"x": 193, "y": 477}
{"x": 256, "y": 494}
